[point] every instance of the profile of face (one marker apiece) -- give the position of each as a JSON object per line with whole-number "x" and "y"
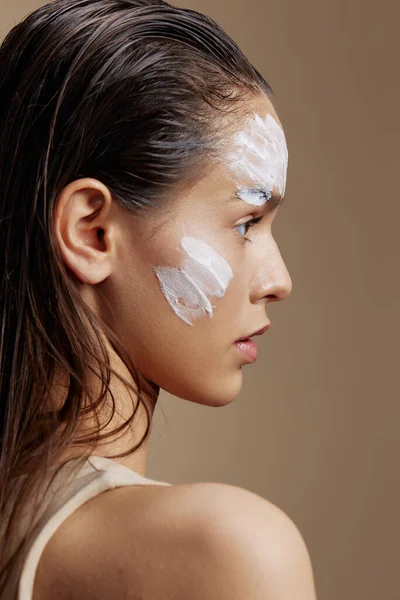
{"x": 180, "y": 287}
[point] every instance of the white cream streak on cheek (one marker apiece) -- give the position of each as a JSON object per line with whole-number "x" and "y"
{"x": 261, "y": 154}
{"x": 203, "y": 273}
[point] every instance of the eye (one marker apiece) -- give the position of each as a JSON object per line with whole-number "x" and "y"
{"x": 247, "y": 226}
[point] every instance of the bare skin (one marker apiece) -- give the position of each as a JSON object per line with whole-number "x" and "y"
{"x": 203, "y": 541}
{"x": 197, "y": 363}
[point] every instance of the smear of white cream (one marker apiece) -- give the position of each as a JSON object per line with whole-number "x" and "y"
{"x": 261, "y": 155}
{"x": 203, "y": 273}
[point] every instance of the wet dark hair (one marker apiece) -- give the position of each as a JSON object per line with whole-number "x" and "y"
{"x": 140, "y": 95}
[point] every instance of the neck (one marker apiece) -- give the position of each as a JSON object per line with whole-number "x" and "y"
{"x": 126, "y": 402}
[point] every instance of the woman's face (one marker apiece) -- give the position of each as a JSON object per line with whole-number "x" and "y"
{"x": 188, "y": 285}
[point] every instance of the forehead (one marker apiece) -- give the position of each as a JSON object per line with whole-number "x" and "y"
{"x": 262, "y": 106}
{"x": 257, "y": 156}
{"x": 247, "y": 132}
{"x": 219, "y": 184}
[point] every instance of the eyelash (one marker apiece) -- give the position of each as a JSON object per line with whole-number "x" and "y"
{"x": 249, "y": 224}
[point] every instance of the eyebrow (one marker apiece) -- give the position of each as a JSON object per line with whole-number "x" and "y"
{"x": 273, "y": 202}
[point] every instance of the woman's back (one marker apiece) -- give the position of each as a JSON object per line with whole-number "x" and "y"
{"x": 202, "y": 541}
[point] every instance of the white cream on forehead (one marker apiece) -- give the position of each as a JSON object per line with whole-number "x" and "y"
{"x": 203, "y": 273}
{"x": 261, "y": 155}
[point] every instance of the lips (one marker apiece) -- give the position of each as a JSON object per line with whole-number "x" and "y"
{"x": 258, "y": 332}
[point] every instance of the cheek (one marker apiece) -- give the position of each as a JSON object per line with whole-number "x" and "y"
{"x": 183, "y": 335}
{"x": 202, "y": 274}
{"x": 184, "y": 296}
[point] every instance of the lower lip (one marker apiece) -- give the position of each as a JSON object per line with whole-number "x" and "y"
{"x": 248, "y": 349}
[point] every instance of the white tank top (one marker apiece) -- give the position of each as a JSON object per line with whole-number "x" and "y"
{"x": 97, "y": 475}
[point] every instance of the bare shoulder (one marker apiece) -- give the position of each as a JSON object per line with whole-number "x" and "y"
{"x": 202, "y": 541}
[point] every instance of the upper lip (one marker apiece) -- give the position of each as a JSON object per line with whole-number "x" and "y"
{"x": 258, "y": 332}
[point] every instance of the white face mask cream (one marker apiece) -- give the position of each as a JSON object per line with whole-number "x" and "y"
{"x": 203, "y": 273}
{"x": 261, "y": 155}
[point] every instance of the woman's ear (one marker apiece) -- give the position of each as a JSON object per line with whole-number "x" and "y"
{"x": 83, "y": 228}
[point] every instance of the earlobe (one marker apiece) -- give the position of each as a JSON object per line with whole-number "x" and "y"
{"x": 82, "y": 227}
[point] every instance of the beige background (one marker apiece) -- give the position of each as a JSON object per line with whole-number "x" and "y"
{"x": 315, "y": 429}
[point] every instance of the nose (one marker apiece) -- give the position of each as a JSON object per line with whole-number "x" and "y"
{"x": 273, "y": 281}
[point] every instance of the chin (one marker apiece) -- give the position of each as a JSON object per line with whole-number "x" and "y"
{"x": 213, "y": 393}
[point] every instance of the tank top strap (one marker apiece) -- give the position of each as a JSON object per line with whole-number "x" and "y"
{"x": 97, "y": 475}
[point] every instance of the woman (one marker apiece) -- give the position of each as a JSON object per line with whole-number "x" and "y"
{"x": 142, "y": 165}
